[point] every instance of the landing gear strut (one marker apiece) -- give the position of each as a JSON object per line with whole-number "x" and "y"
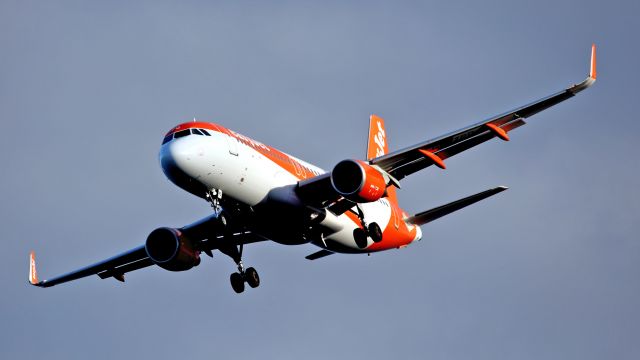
{"x": 250, "y": 275}
{"x": 214, "y": 196}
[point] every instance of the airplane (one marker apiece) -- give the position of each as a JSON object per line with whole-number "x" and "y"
{"x": 258, "y": 193}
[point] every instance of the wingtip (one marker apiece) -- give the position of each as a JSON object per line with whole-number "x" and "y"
{"x": 592, "y": 71}
{"x": 586, "y": 83}
{"x": 33, "y": 273}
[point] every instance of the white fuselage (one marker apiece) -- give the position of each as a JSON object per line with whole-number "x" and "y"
{"x": 238, "y": 166}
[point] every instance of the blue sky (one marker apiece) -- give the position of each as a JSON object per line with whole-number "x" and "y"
{"x": 545, "y": 270}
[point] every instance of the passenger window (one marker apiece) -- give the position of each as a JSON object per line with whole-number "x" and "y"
{"x": 167, "y": 139}
{"x": 196, "y": 132}
{"x": 182, "y": 133}
{"x": 205, "y": 132}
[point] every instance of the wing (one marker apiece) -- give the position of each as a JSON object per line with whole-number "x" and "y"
{"x": 205, "y": 233}
{"x": 433, "y": 152}
{"x": 115, "y": 267}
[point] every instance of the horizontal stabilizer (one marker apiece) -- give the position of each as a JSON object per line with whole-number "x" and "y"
{"x": 435, "y": 213}
{"x": 319, "y": 254}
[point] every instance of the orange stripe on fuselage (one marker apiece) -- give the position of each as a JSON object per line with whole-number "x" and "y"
{"x": 283, "y": 160}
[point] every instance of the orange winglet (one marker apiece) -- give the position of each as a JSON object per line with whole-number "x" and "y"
{"x": 33, "y": 274}
{"x": 436, "y": 160}
{"x": 499, "y": 132}
{"x": 592, "y": 72}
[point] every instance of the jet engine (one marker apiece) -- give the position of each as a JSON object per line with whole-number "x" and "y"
{"x": 358, "y": 181}
{"x": 171, "y": 250}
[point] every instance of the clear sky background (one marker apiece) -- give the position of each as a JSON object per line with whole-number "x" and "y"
{"x": 546, "y": 270}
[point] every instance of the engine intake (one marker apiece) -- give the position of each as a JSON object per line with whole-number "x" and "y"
{"x": 358, "y": 181}
{"x": 171, "y": 250}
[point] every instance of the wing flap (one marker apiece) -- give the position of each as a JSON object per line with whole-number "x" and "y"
{"x": 119, "y": 271}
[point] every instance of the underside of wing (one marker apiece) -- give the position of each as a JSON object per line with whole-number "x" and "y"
{"x": 115, "y": 266}
{"x": 171, "y": 249}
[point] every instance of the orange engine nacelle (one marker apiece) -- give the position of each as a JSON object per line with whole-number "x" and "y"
{"x": 171, "y": 250}
{"x": 358, "y": 181}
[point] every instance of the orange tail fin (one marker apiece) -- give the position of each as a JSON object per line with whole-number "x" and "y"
{"x": 378, "y": 146}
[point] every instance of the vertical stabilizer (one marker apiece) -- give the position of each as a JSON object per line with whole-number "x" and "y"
{"x": 377, "y": 146}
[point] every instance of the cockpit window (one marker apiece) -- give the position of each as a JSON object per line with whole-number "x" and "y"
{"x": 182, "y": 133}
{"x": 185, "y": 132}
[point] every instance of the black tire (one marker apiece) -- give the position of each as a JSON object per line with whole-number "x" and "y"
{"x": 223, "y": 220}
{"x": 360, "y": 236}
{"x": 251, "y": 277}
{"x": 237, "y": 282}
{"x": 375, "y": 232}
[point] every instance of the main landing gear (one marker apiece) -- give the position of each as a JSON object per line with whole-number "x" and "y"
{"x": 372, "y": 230}
{"x": 250, "y": 275}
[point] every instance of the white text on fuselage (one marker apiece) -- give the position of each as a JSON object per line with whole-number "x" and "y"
{"x": 380, "y": 138}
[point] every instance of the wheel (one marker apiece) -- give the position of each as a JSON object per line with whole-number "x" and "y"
{"x": 222, "y": 219}
{"x": 251, "y": 277}
{"x": 237, "y": 282}
{"x": 360, "y": 236}
{"x": 375, "y": 232}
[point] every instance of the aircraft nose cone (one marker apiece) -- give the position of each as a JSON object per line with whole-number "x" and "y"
{"x": 178, "y": 159}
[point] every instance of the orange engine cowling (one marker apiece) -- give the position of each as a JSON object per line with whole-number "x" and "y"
{"x": 171, "y": 250}
{"x": 358, "y": 181}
